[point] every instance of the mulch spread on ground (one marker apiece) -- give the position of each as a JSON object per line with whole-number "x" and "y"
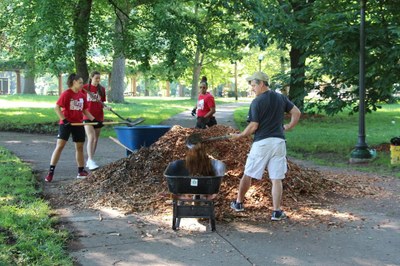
{"x": 136, "y": 184}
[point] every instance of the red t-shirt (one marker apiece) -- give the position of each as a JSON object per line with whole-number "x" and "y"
{"x": 72, "y": 105}
{"x": 95, "y": 107}
{"x": 204, "y": 103}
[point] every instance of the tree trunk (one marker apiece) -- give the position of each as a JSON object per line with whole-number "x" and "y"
{"x": 109, "y": 82}
{"x": 29, "y": 79}
{"x": 60, "y": 85}
{"x": 167, "y": 89}
{"x": 181, "y": 94}
{"x": 118, "y": 69}
{"x": 146, "y": 90}
{"x": 297, "y": 77}
{"x": 198, "y": 62}
{"x": 29, "y": 84}
{"x": 19, "y": 89}
{"x": 133, "y": 85}
{"x": 116, "y": 93}
{"x": 81, "y": 37}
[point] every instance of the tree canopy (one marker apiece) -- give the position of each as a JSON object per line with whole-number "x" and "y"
{"x": 307, "y": 44}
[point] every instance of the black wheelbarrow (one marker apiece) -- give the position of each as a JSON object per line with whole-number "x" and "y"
{"x": 181, "y": 184}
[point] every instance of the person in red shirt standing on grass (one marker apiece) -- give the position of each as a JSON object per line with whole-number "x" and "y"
{"x": 70, "y": 108}
{"x": 205, "y": 107}
{"x": 95, "y": 97}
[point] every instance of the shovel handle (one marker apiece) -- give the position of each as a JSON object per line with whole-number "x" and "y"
{"x": 134, "y": 122}
{"x": 104, "y": 105}
{"x": 96, "y": 123}
{"x": 218, "y": 138}
{"x": 84, "y": 124}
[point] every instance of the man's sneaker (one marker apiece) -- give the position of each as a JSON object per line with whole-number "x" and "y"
{"x": 49, "y": 177}
{"x": 278, "y": 215}
{"x": 237, "y": 206}
{"x": 92, "y": 165}
{"x": 82, "y": 174}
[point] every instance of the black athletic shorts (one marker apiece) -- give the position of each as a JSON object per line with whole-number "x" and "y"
{"x": 205, "y": 122}
{"x": 78, "y": 133}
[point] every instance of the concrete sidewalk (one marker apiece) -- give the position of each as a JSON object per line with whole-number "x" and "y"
{"x": 223, "y": 115}
{"x": 107, "y": 237}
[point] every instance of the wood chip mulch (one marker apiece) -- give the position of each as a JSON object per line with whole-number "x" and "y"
{"x": 137, "y": 184}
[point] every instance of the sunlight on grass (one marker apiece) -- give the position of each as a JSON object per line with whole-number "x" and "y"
{"x": 17, "y": 113}
{"x": 6, "y": 199}
{"x": 4, "y": 104}
{"x": 31, "y": 236}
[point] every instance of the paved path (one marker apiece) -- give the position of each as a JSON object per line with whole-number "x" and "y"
{"x": 223, "y": 115}
{"x": 107, "y": 237}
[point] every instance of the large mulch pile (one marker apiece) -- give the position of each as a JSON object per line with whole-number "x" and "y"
{"x": 137, "y": 183}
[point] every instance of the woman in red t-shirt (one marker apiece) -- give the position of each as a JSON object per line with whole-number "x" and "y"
{"x": 95, "y": 96}
{"x": 205, "y": 107}
{"x": 70, "y": 108}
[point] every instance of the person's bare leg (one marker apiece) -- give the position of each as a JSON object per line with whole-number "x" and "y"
{"x": 91, "y": 141}
{"x": 96, "y": 139}
{"x": 244, "y": 186}
{"x": 57, "y": 151}
{"x": 276, "y": 194}
{"x": 79, "y": 154}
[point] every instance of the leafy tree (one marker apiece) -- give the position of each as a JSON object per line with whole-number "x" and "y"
{"x": 322, "y": 39}
{"x": 188, "y": 35}
{"x": 286, "y": 22}
{"x": 336, "y": 65}
{"x": 19, "y": 34}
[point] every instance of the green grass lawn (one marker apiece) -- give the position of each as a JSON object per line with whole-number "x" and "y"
{"x": 35, "y": 113}
{"x": 329, "y": 140}
{"x": 28, "y": 234}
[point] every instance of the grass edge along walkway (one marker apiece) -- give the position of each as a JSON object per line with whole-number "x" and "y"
{"x": 28, "y": 228}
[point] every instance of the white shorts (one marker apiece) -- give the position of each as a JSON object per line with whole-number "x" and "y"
{"x": 269, "y": 152}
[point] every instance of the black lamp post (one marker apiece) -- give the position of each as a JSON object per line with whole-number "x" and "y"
{"x": 236, "y": 85}
{"x": 260, "y": 58}
{"x": 361, "y": 153}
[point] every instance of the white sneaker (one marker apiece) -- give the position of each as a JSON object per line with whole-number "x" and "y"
{"x": 92, "y": 165}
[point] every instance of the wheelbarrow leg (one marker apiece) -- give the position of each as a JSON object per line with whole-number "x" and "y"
{"x": 212, "y": 221}
{"x": 212, "y": 216}
{"x": 174, "y": 215}
{"x": 176, "y": 221}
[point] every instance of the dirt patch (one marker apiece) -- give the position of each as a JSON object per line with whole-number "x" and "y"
{"x": 42, "y": 128}
{"x": 8, "y": 237}
{"x": 383, "y": 147}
